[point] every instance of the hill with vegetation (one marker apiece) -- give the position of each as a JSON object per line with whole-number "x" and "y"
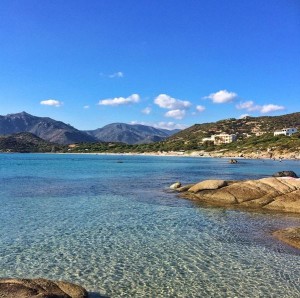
{"x": 245, "y": 127}
{"x": 26, "y": 142}
{"x": 255, "y": 139}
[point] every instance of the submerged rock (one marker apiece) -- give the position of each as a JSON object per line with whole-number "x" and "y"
{"x": 40, "y": 288}
{"x": 290, "y": 236}
{"x": 233, "y": 161}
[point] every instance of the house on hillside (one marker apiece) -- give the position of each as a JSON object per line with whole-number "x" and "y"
{"x": 222, "y": 138}
{"x": 286, "y": 131}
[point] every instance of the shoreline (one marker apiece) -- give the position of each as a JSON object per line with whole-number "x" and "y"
{"x": 194, "y": 154}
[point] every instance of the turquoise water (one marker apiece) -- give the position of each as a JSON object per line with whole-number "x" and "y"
{"x": 110, "y": 224}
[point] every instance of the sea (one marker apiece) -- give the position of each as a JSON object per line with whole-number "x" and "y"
{"x": 111, "y": 224}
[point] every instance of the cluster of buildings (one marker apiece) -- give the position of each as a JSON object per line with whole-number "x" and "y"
{"x": 224, "y": 138}
{"x": 286, "y": 131}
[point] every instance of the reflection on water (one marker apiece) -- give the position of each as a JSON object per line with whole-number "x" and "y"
{"x": 114, "y": 229}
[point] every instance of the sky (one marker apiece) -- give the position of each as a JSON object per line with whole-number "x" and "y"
{"x": 168, "y": 64}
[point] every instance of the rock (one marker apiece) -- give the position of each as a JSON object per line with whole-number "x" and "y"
{"x": 184, "y": 188}
{"x": 233, "y": 161}
{"x": 207, "y": 184}
{"x": 288, "y": 202}
{"x": 279, "y": 194}
{"x": 175, "y": 185}
{"x": 290, "y": 236}
{"x": 285, "y": 174}
{"x": 40, "y": 288}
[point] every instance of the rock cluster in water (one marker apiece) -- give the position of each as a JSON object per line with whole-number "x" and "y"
{"x": 274, "y": 193}
{"x": 40, "y": 288}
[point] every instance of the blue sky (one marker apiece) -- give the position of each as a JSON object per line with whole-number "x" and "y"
{"x": 163, "y": 63}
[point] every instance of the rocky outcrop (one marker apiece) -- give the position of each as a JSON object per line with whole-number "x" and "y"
{"x": 207, "y": 184}
{"x": 290, "y": 236}
{"x": 285, "y": 174}
{"x": 40, "y": 288}
{"x": 175, "y": 185}
{"x": 279, "y": 194}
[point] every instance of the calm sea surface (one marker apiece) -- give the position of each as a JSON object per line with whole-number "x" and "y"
{"x": 110, "y": 224}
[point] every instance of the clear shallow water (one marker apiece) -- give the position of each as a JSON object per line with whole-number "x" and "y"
{"x": 114, "y": 228}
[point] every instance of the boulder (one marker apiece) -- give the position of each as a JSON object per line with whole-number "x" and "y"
{"x": 184, "y": 188}
{"x": 40, "y": 288}
{"x": 289, "y": 202}
{"x": 279, "y": 194}
{"x": 285, "y": 174}
{"x": 175, "y": 185}
{"x": 207, "y": 184}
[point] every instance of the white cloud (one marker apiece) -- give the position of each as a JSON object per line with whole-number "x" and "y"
{"x": 200, "y": 108}
{"x": 222, "y": 96}
{"x": 264, "y": 109}
{"x": 51, "y": 102}
{"x": 248, "y": 105}
{"x": 167, "y": 102}
{"x": 163, "y": 125}
{"x": 244, "y": 116}
{"x": 147, "y": 110}
{"x": 176, "y": 114}
{"x": 118, "y": 74}
{"x": 170, "y": 125}
{"x": 134, "y": 98}
{"x": 271, "y": 108}
{"x": 86, "y": 107}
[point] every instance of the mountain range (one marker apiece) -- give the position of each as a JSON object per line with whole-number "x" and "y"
{"x": 61, "y": 133}
{"x": 130, "y": 133}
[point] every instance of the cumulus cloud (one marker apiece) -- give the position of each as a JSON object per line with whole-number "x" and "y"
{"x": 118, "y": 74}
{"x": 222, "y": 96}
{"x": 134, "y": 98}
{"x": 163, "y": 125}
{"x": 244, "y": 116}
{"x": 271, "y": 108}
{"x": 167, "y": 102}
{"x": 264, "y": 109}
{"x": 86, "y": 107}
{"x": 200, "y": 108}
{"x": 147, "y": 110}
{"x": 248, "y": 105}
{"x": 176, "y": 114}
{"x": 51, "y": 102}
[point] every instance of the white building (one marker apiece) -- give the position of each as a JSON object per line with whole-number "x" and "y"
{"x": 286, "y": 131}
{"x": 222, "y": 138}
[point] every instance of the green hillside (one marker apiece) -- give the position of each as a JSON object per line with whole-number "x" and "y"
{"x": 25, "y": 142}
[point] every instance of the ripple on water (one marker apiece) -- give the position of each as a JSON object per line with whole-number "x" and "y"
{"x": 134, "y": 243}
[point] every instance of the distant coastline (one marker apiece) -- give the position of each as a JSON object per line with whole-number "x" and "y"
{"x": 196, "y": 154}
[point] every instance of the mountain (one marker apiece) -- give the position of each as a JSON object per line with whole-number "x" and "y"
{"x": 25, "y": 142}
{"x": 130, "y": 133}
{"x": 44, "y": 127}
{"x": 248, "y": 126}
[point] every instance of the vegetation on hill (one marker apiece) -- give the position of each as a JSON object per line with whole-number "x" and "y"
{"x": 248, "y": 126}
{"x": 255, "y": 137}
{"x": 26, "y": 142}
